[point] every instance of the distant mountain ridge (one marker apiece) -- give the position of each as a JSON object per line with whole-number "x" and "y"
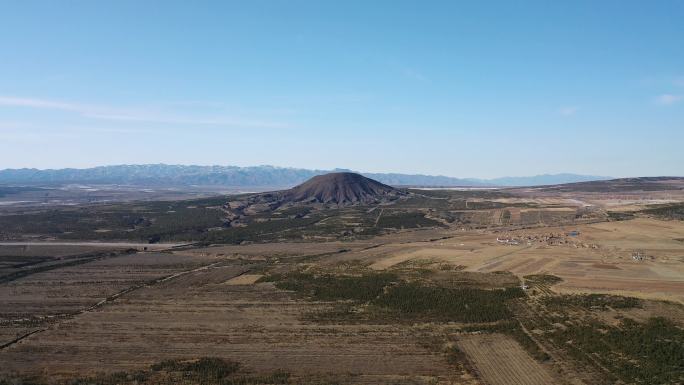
{"x": 255, "y": 176}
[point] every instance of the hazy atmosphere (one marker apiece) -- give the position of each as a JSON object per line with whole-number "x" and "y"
{"x": 478, "y": 89}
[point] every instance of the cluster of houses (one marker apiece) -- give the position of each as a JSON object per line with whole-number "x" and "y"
{"x": 550, "y": 239}
{"x": 508, "y": 241}
{"x": 641, "y": 256}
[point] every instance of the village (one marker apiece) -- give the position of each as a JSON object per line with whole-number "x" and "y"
{"x": 569, "y": 238}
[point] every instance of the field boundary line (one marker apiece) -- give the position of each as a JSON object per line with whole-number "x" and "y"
{"x": 16, "y": 340}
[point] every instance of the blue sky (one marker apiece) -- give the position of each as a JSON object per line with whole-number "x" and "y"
{"x": 466, "y": 89}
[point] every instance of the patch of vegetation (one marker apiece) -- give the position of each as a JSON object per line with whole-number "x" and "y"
{"x": 619, "y": 216}
{"x": 592, "y": 301}
{"x": 205, "y": 371}
{"x": 440, "y": 304}
{"x": 450, "y": 267}
{"x": 387, "y": 297}
{"x": 669, "y": 211}
{"x": 406, "y": 220}
{"x": 543, "y": 279}
{"x": 471, "y": 279}
{"x": 635, "y": 353}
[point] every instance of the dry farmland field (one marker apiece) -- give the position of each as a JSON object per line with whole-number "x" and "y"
{"x": 521, "y": 286}
{"x": 501, "y": 361}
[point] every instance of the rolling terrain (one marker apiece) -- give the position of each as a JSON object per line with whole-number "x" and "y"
{"x": 344, "y": 280}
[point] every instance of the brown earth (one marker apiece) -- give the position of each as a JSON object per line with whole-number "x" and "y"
{"x": 501, "y": 361}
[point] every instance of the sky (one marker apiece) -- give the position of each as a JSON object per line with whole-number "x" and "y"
{"x": 458, "y": 88}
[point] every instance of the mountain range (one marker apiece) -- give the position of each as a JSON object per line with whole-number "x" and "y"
{"x": 255, "y": 176}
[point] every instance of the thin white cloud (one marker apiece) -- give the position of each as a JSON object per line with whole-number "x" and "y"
{"x": 12, "y": 125}
{"x": 568, "y": 110}
{"x": 228, "y": 106}
{"x": 413, "y": 74}
{"x": 145, "y": 118}
{"x": 40, "y": 103}
{"x": 30, "y": 137}
{"x": 119, "y": 114}
{"x": 668, "y": 99}
{"x": 19, "y": 128}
